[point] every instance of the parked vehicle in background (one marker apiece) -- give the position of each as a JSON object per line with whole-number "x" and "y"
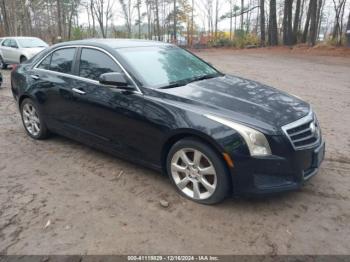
{"x": 15, "y": 50}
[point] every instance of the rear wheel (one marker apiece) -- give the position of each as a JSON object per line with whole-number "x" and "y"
{"x": 2, "y": 63}
{"x": 198, "y": 172}
{"x": 32, "y": 119}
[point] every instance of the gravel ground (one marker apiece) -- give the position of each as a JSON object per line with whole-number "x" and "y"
{"x": 61, "y": 197}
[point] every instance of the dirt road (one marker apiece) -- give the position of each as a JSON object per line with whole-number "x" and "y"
{"x": 60, "y": 197}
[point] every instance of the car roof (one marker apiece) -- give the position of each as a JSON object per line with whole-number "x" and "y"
{"x": 116, "y": 43}
{"x": 18, "y": 37}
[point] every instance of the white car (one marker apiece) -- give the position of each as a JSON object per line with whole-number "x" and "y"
{"x": 15, "y": 50}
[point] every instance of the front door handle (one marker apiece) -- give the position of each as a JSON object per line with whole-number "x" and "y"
{"x": 79, "y": 91}
{"x": 35, "y": 77}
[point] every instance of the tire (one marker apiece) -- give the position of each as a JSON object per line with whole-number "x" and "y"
{"x": 2, "y": 63}
{"x": 22, "y": 59}
{"x": 33, "y": 120}
{"x": 185, "y": 174}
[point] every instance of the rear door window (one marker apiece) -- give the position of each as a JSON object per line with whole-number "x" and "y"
{"x": 59, "y": 61}
{"x": 62, "y": 60}
{"x": 94, "y": 63}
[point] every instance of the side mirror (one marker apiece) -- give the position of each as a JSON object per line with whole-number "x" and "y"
{"x": 115, "y": 79}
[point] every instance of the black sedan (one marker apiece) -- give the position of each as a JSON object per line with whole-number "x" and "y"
{"x": 161, "y": 106}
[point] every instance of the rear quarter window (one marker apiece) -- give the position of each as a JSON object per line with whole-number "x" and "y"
{"x": 45, "y": 64}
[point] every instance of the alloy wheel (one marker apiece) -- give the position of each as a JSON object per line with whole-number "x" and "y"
{"x": 31, "y": 119}
{"x": 193, "y": 173}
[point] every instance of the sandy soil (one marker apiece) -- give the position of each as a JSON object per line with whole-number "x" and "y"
{"x": 61, "y": 197}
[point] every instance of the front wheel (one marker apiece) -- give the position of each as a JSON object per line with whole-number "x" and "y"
{"x": 198, "y": 172}
{"x": 32, "y": 119}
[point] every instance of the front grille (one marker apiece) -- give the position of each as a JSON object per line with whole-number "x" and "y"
{"x": 304, "y": 132}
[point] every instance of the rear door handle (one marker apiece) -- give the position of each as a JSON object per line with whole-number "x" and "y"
{"x": 79, "y": 91}
{"x": 35, "y": 77}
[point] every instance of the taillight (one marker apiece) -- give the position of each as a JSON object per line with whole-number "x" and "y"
{"x": 14, "y": 66}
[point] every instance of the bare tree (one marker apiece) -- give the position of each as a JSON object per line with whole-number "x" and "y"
{"x": 93, "y": 17}
{"x": 348, "y": 30}
{"x": 287, "y": 22}
{"x": 242, "y": 14}
{"x": 138, "y": 21}
{"x": 127, "y": 13}
{"x": 313, "y": 22}
{"x": 59, "y": 17}
{"x": 337, "y": 30}
{"x": 296, "y": 22}
{"x": 175, "y": 22}
{"x": 73, "y": 8}
{"x": 216, "y": 18}
{"x": 262, "y": 22}
{"x": 192, "y": 22}
{"x": 307, "y": 23}
{"x": 103, "y": 10}
{"x": 156, "y": 2}
{"x": 273, "y": 37}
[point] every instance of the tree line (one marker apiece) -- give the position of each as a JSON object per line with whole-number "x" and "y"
{"x": 270, "y": 22}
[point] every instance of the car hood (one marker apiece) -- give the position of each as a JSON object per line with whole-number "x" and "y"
{"x": 241, "y": 100}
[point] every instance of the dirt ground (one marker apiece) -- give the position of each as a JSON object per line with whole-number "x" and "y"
{"x": 61, "y": 197}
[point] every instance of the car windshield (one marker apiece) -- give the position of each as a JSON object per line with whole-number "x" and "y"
{"x": 31, "y": 42}
{"x": 165, "y": 67}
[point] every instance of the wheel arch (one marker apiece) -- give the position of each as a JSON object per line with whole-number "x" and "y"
{"x": 24, "y": 96}
{"x": 22, "y": 56}
{"x": 185, "y": 133}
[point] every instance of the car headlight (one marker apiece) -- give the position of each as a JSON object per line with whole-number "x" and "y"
{"x": 255, "y": 140}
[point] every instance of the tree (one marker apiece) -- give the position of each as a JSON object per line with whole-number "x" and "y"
{"x": 216, "y": 18}
{"x": 157, "y": 19}
{"x": 348, "y": 30}
{"x": 102, "y": 10}
{"x": 313, "y": 22}
{"x": 287, "y": 22}
{"x": 92, "y": 8}
{"x": 337, "y": 29}
{"x": 273, "y": 37}
{"x": 138, "y": 21}
{"x": 262, "y": 22}
{"x": 126, "y": 8}
{"x": 5, "y": 18}
{"x": 192, "y": 22}
{"x": 175, "y": 14}
{"x": 307, "y": 23}
{"x": 74, "y": 4}
{"x": 59, "y": 17}
{"x": 242, "y": 14}
{"x": 231, "y": 11}
{"x": 296, "y": 22}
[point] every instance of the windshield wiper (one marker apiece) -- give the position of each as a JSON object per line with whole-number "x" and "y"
{"x": 175, "y": 84}
{"x": 203, "y": 77}
{"x": 190, "y": 80}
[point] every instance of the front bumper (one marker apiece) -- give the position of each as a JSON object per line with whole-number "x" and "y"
{"x": 274, "y": 174}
